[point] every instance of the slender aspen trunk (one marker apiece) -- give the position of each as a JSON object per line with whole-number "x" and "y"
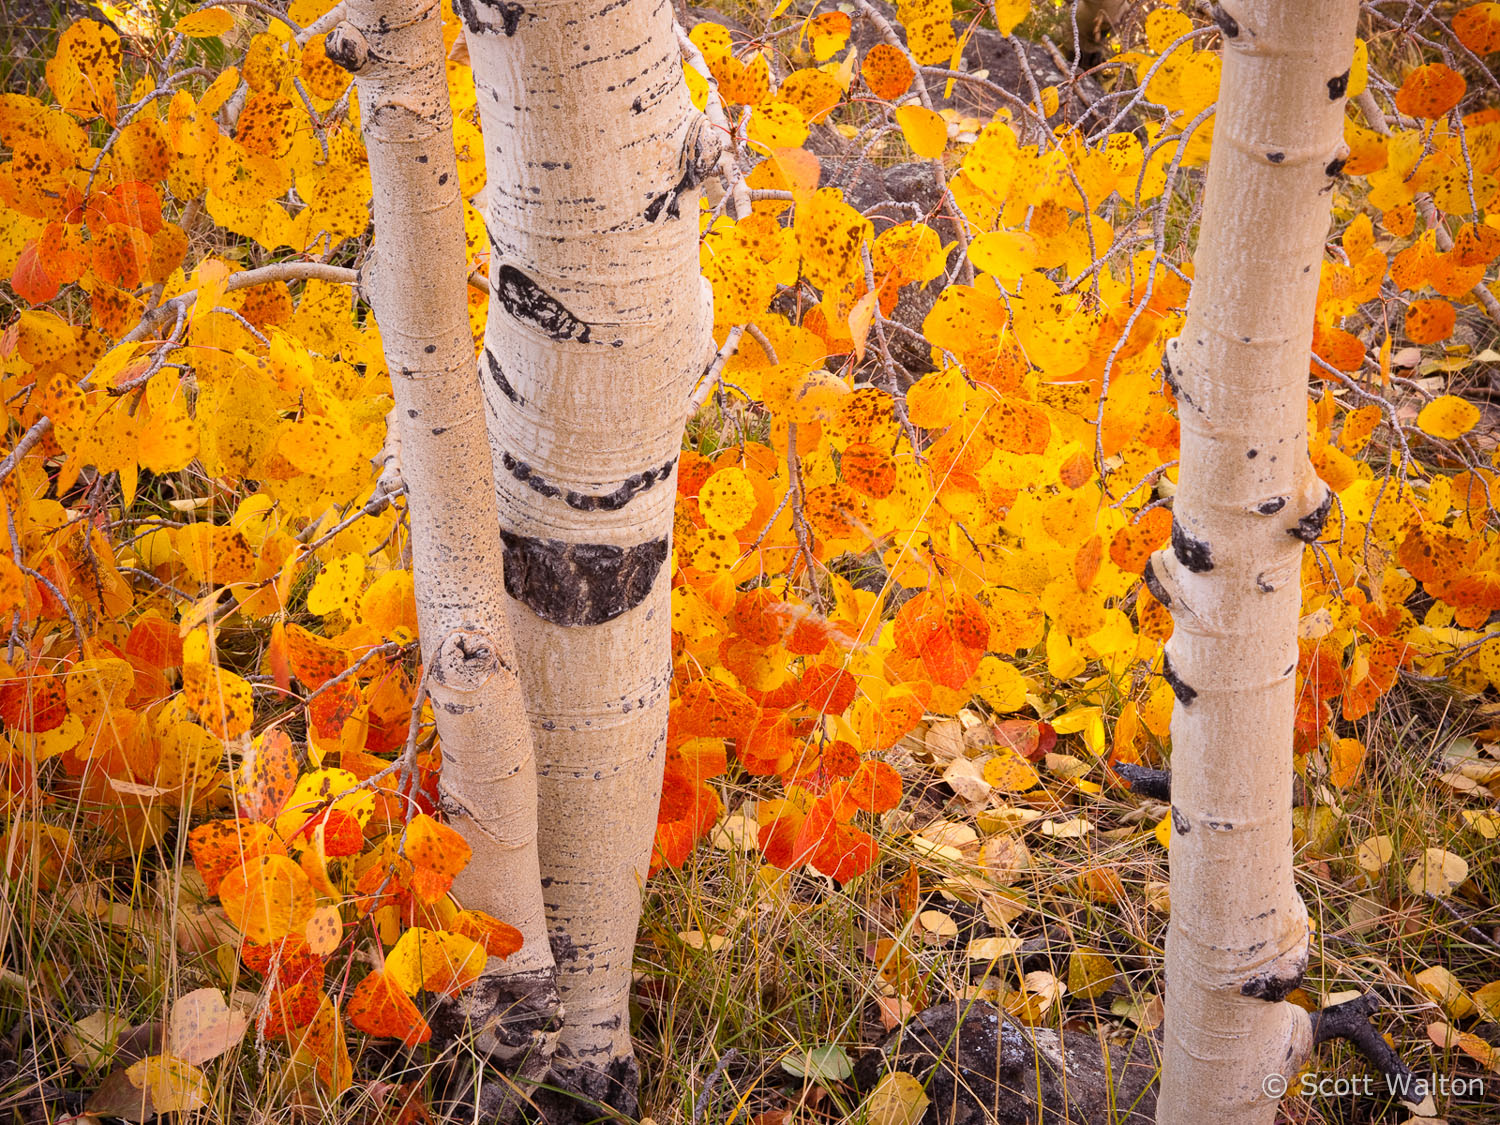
{"x": 1247, "y": 504}
{"x": 599, "y": 324}
{"x": 416, "y": 283}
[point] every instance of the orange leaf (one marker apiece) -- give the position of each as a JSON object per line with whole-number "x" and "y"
{"x": 886, "y": 72}
{"x": 500, "y": 939}
{"x": 378, "y": 1007}
{"x": 1430, "y": 91}
{"x": 437, "y": 854}
{"x": 222, "y": 845}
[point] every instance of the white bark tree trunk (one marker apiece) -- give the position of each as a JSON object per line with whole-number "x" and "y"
{"x": 599, "y": 324}
{"x": 416, "y": 284}
{"x": 1247, "y": 503}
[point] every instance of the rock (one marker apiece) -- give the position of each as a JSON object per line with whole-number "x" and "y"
{"x": 980, "y": 1068}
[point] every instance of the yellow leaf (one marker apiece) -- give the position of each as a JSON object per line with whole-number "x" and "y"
{"x": 727, "y": 500}
{"x": 1089, "y": 974}
{"x": 268, "y": 898}
{"x": 1001, "y": 686}
{"x": 338, "y": 587}
{"x": 1448, "y": 417}
{"x": 434, "y": 960}
{"x": 1004, "y": 254}
{"x": 898, "y": 1099}
{"x": 1009, "y": 14}
{"x": 861, "y": 317}
{"x": 1359, "y": 69}
{"x": 317, "y": 447}
{"x": 1437, "y": 872}
{"x": 206, "y": 23}
{"x": 924, "y": 130}
{"x": 175, "y": 1086}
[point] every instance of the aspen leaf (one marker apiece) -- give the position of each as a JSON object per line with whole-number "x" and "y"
{"x": 1010, "y": 773}
{"x": 1466, "y": 1041}
{"x": 1345, "y": 756}
{"x": 1005, "y": 254}
{"x": 861, "y": 317}
{"x": 875, "y": 787}
{"x": 1089, "y": 974}
{"x": 908, "y": 252}
{"x": 886, "y": 72}
{"x": 826, "y": 1063}
{"x": 1359, "y": 70}
{"x": 322, "y": 1043}
{"x": 897, "y": 1099}
{"x": 828, "y": 33}
{"x": 205, "y": 23}
{"x": 1373, "y": 854}
{"x": 437, "y": 853}
{"x": 1430, "y": 91}
{"x": 500, "y": 939}
{"x": 993, "y": 948}
{"x": 1427, "y": 322}
{"x": 202, "y": 1026}
{"x": 175, "y": 1086}
{"x": 1436, "y": 872}
{"x": 266, "y": 776}
{"x": 1164, "y": 26}
{"x": 434, "y": 961}
{"x": 1442, "y": 987}
{"x": 377, "y": 1006}
{"x": 727, "y": 500}
{"x": 90, "y": 1042}
{"x": 1478, "y": 28}
{"x": 924, "y": 130}
{"x": 1448, "y": 417}
{"x": 1009, "y": 14}
{"x": 324, "y": 931}
{"x": 317, "y": 447}
{"x": 1004, "y": 858}
{"x": 267, "y": 898}
{"x": 777, "y": 125}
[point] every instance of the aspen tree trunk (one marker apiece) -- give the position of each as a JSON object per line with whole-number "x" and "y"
{"x": 1247, "y": 503}
{"x": 416, "y": 284}
{"x": 599, "y": 324}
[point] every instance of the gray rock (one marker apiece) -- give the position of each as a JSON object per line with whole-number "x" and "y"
{"x": 979, "y": 1068}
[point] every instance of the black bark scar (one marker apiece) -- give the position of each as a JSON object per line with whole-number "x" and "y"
{"x": 510, "y": 15}
{"x": 1227, "y": 23}
{"x": 1180, "y": 824}
{"x": 1146, "y": 782}
{"x": 1272, "y": 506}
{"x": 1170, "y": 377}
{"x": 1270, "y": 987}
{"x": 579, "y": 583}
{"x": 525, "y": 300}
{"x": 1338, "y": 86}
{"x": 1195, "y": 554}
{"x": 501, "y": 381}
{"x": 611, "y": 501}
{"x": 1310, "y": 526}
{"x": 1180, "y": 688}
{"x": 1154, "y": 584}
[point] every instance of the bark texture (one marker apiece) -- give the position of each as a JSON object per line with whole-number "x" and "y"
{"x": 1247, "y": 503}
{"x": 416, "y": 284}
{"x": 599, "y": 324}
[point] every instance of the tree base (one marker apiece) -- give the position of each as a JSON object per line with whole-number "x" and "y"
{"x": 979, "y": 1068}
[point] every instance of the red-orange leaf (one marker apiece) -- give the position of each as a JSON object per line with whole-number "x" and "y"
{"x": 378, "y": 1007}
